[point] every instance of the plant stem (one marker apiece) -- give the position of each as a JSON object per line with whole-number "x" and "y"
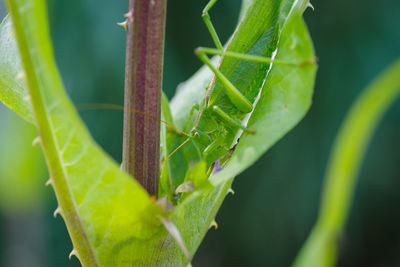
{"x": 143, "y": 83}
{"x": 350, "y": 146}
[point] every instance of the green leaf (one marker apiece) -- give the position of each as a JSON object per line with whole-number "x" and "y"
{"x": 190, "y": 93}
{"x": 22, "y": 167}
{"x": 112, "y": 221}
{"x": 174, "y": 169}
{"x": 344, "y": 164}
{"x": 195, "y": 178}
{"x": 282, "y": 94}
{"x": 284, "y": 100}
{"x": 197, "y": 174}
{"x": 13, "y": 91}
{"x": 244, "y": 8}
{"x": 285, "y": 96}
{"x": 193, "y": 217}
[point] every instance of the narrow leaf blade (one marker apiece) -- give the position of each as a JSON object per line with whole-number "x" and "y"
{"x": 112, "y": 221}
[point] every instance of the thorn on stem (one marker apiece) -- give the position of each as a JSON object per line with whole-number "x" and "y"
{"x": 48, "y": 182}
{"x": 130, "y": 15}
{"x": 36, "y": 141}
{"x": 231, "y": 191}
{"x": 57, "y": 211}
{"x": 74, "y": 252}
{"x": 124, "y": 24}
{"x": 214, "y": 224}
{"x": 310, "y": 5}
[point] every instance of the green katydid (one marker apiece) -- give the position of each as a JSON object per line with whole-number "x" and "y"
{"x": 238, "y": 80}
{"x": 230, "y": 97}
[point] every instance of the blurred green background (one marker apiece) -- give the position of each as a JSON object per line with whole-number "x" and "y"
{"x": 276, "y": 200}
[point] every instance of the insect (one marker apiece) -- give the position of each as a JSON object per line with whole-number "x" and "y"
{"x": 237, "y": 82}
{"x": 213, "y": 126}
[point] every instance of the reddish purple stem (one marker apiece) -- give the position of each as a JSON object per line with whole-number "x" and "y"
{"x": 143, "y": 85}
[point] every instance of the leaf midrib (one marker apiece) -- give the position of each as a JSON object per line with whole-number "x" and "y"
{"x": 28, "y": 50}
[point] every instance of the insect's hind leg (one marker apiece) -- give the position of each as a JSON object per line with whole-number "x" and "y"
{"x": 210, "y": 26}
{"x": 236, "y": 97}
{"x": 234, "y": 122}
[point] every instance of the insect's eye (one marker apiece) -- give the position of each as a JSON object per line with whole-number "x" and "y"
{"x": 196, "y": 134}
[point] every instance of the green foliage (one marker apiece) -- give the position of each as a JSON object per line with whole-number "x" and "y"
{"x": 112, "y": 221}
{"x": 284, "y": 99}
{"x": 106, "y": 212}
{"x": 170, "y": 180}
{"x": 344, "y": 164}
{"x": 13, "y": 87}
{"x": 22, "y": 172}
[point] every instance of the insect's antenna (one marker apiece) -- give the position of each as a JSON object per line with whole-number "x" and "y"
{"x": 173, "y": 152}
{"x": 118, "y": 107}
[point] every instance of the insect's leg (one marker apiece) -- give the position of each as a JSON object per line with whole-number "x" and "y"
{"x": 210, "y": 26}
{"x": 214, "y": 144}
{"x": 188, "y": 125}
{"x": 174, "y": 151}
{"x": 237, "y": 98}
{"x": 254, "y": 58}
{"x": 223, "y": 115}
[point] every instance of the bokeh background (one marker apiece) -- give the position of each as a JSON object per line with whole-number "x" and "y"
{"x": 276, "y": 200}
